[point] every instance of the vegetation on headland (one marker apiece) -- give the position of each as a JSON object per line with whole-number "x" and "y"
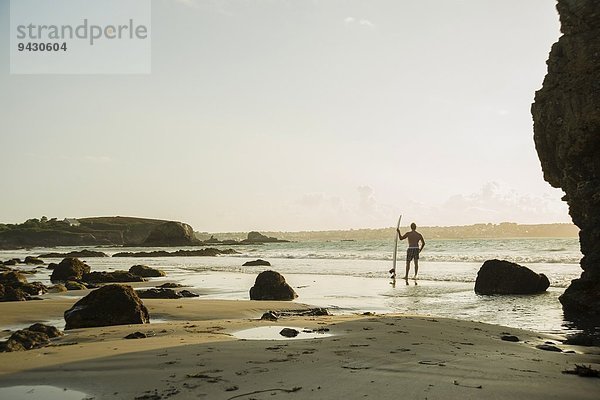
{"x": 132, "y": 231}
{"x": 476, "y": 231}
{"x": 77, "y": 232}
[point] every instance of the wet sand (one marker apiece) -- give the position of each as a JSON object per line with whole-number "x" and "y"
{"x": 194, "y": 354}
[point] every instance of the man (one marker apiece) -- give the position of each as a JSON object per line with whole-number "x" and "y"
{"x": 412, "y": 253}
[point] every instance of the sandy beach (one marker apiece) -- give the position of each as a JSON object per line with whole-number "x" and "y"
{"x": 192, "y": 352}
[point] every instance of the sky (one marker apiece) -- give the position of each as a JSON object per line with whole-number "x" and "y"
{"x": 293, "y": 115}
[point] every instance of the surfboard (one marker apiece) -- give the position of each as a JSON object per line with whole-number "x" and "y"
{"x": 393, "y": 270}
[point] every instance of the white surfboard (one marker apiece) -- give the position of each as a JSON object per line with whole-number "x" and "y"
{"x": 396, "y": 246}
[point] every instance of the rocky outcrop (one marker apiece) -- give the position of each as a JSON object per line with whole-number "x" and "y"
{"x": 108, "y": 305}
{"x": 164, "y": 293}
{"x": 36, "y": 336}
{"x": 69, "y": 269}
{"x": 14, "y": 287}
{"x": 256, "y": 263}
{"x": 171, "y": 234}
{"x": 504, "y": 277}
{"x": 208, "y": 252}
{"x": 31, "y": 260}
{"x": 257, "y": 237}
{"x": 566, "y": 115}
{"x": 74, "y": 254}
{"x": 146, "y": 271}
{"x": 113, "y": 276}
{"x": 271, "y": 285}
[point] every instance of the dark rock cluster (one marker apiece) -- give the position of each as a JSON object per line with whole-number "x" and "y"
{"x": 566, "y": 115}
{"x": 15, "y": 287}
{"x": 36, "y": 336}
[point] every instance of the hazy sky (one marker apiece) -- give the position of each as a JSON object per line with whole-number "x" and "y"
{"x": 293, "y": 115}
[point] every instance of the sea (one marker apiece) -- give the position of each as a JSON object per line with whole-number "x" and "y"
{"x": 352, "y": 276}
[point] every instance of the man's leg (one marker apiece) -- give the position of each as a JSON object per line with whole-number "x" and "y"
{"x": 407, "y": 268}
{"x": 416, "y": 267}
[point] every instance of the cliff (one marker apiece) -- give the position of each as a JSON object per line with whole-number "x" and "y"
{"x": 114, "y": 231}
{"x": 566, "y": 115}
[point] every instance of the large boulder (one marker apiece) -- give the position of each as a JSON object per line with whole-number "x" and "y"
{"x": 171, "y": 234}
{"x": 113, "y": 276}
{"x": 566, "y": 121}
{"x": 69, "y": 269}
{"x": 108, "y": 305}
{"x": 271, "y": 285}
{"x": 146, "y": 271}
{"x": 504, "y": 277}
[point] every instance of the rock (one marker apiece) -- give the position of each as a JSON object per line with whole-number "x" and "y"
{"x": 257, "y": 237}
{"x": 145, "y": 271}
{"x": 73, "y": 285}
{"x": 69, "y": 269}
{"x": 208, "y": 252}
{"x": 49, "y": 330}
{"x": 12, "y": 277}
{"x": 8, "y": 293}
{"x": 170, "y": 285}
{"x": 548, "y": 347}
{"x": 75, "y": 254}
{"x": 171, "y": 234}
{"x": 566, "y": 124}
{"x": 256, "y": 263}
{"x": 16, "y": 288}
{"x": 114, "y": 276}
{"x": 25, "y": 340}
{"x": 52, "y": 266}
{"x": 584, "y": 339}
{"x": 271, "y": 285}
{"x": 289, "y": 332}
{"x": 270, "y": 316}
{"x": 136, "y": 335}
{"x": 58, "y": 288}
{"x": 33, "y": 260}
{"x": 13, "y": 261}
{"x": 510, "y": 338}
{"x": 187, "y": 293}
{"x": 504, "y": 277}
{"x": 158, "y": 294}
{"x": 108, "y": 305}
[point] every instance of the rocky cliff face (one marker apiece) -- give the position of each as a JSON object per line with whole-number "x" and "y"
{"x": 171, "y": 234}
{"x": 566, "y": 115}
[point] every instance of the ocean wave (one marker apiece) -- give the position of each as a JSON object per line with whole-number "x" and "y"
{"x": 474, "y": 258}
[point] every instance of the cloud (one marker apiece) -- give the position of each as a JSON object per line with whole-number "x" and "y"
{"x": 187, "y": 3}
{"x": 360, "y": 22}
{"x": 496, "y": 203}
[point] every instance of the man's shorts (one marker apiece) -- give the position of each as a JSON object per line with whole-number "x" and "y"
{"x": 412, "y": 253}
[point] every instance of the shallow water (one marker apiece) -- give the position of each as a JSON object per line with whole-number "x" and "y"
{"x": 40, "y": 392}
{"x": 349, "y": 277}
{"x": 273, "y": 333}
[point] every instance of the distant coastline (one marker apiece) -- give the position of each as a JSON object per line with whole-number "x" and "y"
{"x": 483, "y": 231}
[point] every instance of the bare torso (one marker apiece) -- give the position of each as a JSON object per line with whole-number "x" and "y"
{"x": 413, "y": 237}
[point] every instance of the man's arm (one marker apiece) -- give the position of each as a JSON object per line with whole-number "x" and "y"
{"x": 400, "y": 235}
{"x": 422, "y": 243}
